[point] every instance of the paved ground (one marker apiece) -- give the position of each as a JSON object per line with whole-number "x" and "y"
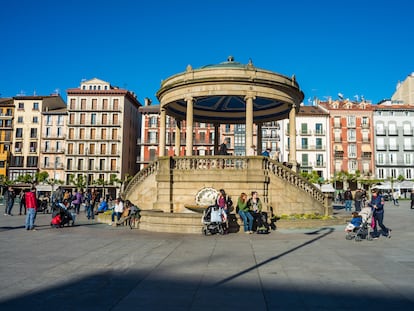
{"x": 97, "y": 267}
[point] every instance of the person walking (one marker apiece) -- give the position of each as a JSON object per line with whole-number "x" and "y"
{"x": 9, "y": 197}
{"x": 31, "y": 207}
{"x": 244, "y": 213}
{"x": 412, "y": 199}
{"x": 348, "y": 200}
{"x": 22, "y": 196}
{"x": 377, "y": 205}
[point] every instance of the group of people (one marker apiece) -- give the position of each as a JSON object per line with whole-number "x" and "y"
{"x": 250, "y": 210}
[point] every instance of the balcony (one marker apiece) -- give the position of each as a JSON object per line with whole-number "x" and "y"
{"x": 408, "y": 147}
{"x": 393, "y": 132}
{"x": 381, "y": 148}
{"x": 408, "y": 132}
{"x": 305, "y": 132}
{"x": 365, "y": 126}
{"x": 393, "y": 148}
{"x": 380, "y": 132}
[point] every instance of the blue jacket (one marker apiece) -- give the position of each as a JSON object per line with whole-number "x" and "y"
{"x": 377, "y": 201}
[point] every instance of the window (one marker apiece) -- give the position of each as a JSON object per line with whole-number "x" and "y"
{"x": 103, "y": 149}
{"x": 113, "y": 164}
{"x": 351, "y": 121}
{"x": 351, "y": 135}
{"x": 35, "y": 120}
{"x": 19, "y": 132}
{"x": 21, "y": 106}
{"x": 20, "y": 119}
{"x": 114, "y": 134}
{"x": 33, "y": 133}
{"x": 318, "y": 129}
{"x": 93, "y": 133}
{"x": 102, "y": 164}
{"x": 32, "y": 161}
{"x": 71, "y": 133}
{"x": 115, "y": 118}
{"x": 82, "y": 133}
{"x": 352, "y": 164}
{"x": 82, "y": 118}
{"x": 352, "y": 151}
{"x": 103, "y": 134}
{"x": 392, "y": 158}
{"x": 113, "y": 148}
{"x": 35, "y": 106}
{"x": 408, "y": 173}
{"x": 305, "y": 159}
{"x": 364, "y": 121}
{"x": 46, "y": 162}
{"x": 58, "y": 146}
{"x": 33, "y": 147}
{"x": 304, "y": 128}
{"x": 318, "y": 143}
{"x": 93, "y": 118}
{"x": 83, "y": 104}
{"x": 47, "y": 146}
{"x": 60, "y": 120}
{"x": 94, "y": 104}
{"x": 407, "y": 158}
{"x": 48, "y": 120}
{"x": 381, "y": 173}
{"x": 116, "y": 104}
{"x": 380, "y": 158}
{"x": 152, "y": 137}
{"x": 104, "y": 118}
{"x": 59, "y": 132}
{"x": 153, "y": 122}
{"x": 69, "y": 163}
{"x": 104, "y": 104}
{"x": 319, "y": 160}
{"x": 304, "y": 143}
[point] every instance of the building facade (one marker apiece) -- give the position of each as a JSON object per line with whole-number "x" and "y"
{"x": 27, "y": 126}
{"x": 103, "y": 128}
{"x": 351, "y": 132}
{"x": 312, "y": 140}
{"x": 404, "y": 93}
{"x": 394, "y": 141}
{"x": 6, "y": 131}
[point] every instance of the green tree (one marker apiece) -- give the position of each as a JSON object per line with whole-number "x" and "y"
{"x": 79, "y": 181}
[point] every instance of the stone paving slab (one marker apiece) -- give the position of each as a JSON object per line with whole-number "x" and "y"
{"x": 94, "y": 266}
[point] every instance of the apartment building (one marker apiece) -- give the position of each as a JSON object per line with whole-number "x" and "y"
{"x": 6, "y": 131}
{"x": 103, "y": 128}
{"x": 52, "y": 143}
{"x": 27, "y": 126}
{"x": 404, "y": 93}
{"x": 394, "y": 140}
{"x": 312, "y": 140}
{"x": 351, "y": 143}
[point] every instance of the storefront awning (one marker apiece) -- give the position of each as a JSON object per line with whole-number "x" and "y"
{"x": 338, "y": 148}
{"x": 366, "y": 148}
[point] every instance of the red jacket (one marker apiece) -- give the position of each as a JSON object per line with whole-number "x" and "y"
{"x": 31, "y": 201}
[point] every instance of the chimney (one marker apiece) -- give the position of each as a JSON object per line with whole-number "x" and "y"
{"x": 147, "y": 101}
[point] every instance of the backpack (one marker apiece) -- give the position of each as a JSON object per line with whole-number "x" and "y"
{"x": 229, "y": 202}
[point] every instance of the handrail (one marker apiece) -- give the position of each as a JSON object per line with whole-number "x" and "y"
{"x": 285, "y": 173}
{"x": 140, "y": 176}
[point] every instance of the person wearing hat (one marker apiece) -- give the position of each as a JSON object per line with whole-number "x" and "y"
{"x": 377, "y": 205}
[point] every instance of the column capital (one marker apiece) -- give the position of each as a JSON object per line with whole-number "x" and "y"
{"x": 250, "y": 96}
{"x": 188, "y": 98}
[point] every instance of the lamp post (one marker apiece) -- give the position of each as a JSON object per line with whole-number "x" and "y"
{"x": 87, "y": 168}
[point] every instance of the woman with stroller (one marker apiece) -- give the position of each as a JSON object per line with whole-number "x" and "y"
{"x": 244, "y": 213}
{"x": 377, "y": 205}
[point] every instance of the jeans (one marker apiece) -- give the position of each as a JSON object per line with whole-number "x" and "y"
{"x": 30, "y": 218}
{"x": 379, "y": 217}
{"x": 9, "y": 207}
{"x": 247, "y": 220}
{"x": 89, "y": 211}
{"x": 348, "y": 205}
{"x": 118, "y": 216}
{"x": 357, "y": 205}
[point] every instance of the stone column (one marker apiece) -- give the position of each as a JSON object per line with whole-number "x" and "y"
{"x": 177, "y": 146}
{"x": 189, "y": 129}
{"x": 259, "y": 138}
{"x": 216, "y": 138}
{"x": 163, "y": 117}
{"x": 292, "y": 137}
{"x": 249, "y": 121}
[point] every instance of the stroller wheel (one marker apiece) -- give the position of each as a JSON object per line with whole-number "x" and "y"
{"x": 358, "y": 238}
{"x": 221, "y": 230}
{"x": 369, "y": 238}
{"x": 204, "y": 231}
{"x": 348, "y": 237}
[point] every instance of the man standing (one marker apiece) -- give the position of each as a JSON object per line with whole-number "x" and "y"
{"x": 31, "y": 208}
{"x": 358, "y": 199}
{"x": 348, "y": 199}
{"x": 9, "y": 197}
{"x": 223, "y": 148}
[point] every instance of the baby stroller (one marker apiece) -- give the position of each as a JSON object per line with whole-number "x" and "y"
{"x": 364, "y": 230}
{"x": 61, "y": 216}
{"x": 214, "y": 219}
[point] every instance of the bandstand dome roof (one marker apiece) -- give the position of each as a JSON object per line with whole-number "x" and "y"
{"x": 218, "y": 92}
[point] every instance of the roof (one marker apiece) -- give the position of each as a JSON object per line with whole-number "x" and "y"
{"x": 311, "y": 110}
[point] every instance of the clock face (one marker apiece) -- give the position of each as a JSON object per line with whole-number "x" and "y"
{"x": 206, "y": 196}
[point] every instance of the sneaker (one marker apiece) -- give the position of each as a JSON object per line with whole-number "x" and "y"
{"x": 5, "y": 214}
{"x": 248, "y": 232}
{"x": 34, "y": 229}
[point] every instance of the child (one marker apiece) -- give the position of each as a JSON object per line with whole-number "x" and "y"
{"x": 356, "y": 221}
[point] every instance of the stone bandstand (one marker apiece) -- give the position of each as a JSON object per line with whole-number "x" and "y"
{"x": 226, "y": 93}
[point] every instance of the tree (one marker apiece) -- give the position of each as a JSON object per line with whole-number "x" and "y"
{"x": 79, "y": 182}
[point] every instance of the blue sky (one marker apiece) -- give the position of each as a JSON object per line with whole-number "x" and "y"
{"x": 353, "y": 47}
